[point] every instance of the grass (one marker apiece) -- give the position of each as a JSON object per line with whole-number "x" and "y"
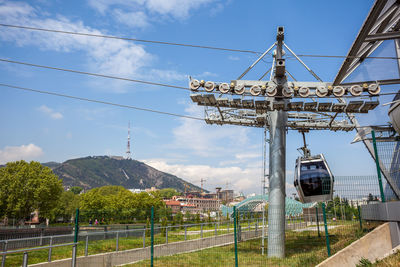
{"x": 302, "y": 249}
{"x": 392, "y": 260}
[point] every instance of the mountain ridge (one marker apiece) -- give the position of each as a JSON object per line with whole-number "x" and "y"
{"x": 96, "y": 171}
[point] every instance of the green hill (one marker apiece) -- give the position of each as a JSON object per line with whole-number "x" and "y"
{"x": 99, "y": 171}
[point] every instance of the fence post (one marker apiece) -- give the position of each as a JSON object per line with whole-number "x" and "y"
{"x": 359, "y": 216}
{"x": 185, "y": 232}
{"x": 328, "y": 246}
{"x": 144, "y": 237}
{"x": 50, "y": 249}
{"x": 74, "y": 247}
{"x": 228, "y": 227}
{"x": 234, "y": 234}
{"x": 166, "y": 234}
{"x": 201, "y": 230}
{"x": 41, "y": 236}
{"x": 215, "y": 229}
{"x": 25, "y": 259}
{"x": 126, "y": 231}
{"x": 316, "y": 213}
{"x": 3, "y": 260}
{"x": 378, "y": 167}
{"x": 152, "y": 237}
{"x": 117, "y": 242}
{"x": 86, "y": 245}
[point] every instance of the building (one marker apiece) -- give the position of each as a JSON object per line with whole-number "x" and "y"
{"x": 201, "y": 204}
{"x": 136, "y": 190}
{"x": 225, "y": 196}
{"x": 174, "y": 205}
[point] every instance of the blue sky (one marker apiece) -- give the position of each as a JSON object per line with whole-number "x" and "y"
{"x": 48, "y": 128}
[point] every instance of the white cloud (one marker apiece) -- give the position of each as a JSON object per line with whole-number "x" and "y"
{"x": 208, "y": 141}
{"x": 247, "y": 155}
{"x": 50, "y": 112}
{"x": 24, "y": 152}
{"x": 108, "y": 56}
{"x": 137, "y": 19}
{"x": 167, "y": 75}
{"x": 234, "y": 58}
{"x": 246, "y": 179}
{"x": 238, "y": 178}
{"x": 179, "y": 9}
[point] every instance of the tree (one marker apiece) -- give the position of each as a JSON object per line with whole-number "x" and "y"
{"x": 76, "y": 190}
{"x": 26, "y": 187}
{"x": 178, "y": 218}
{"x": 116, "y": 202}
{"x": 66, "y": 206}
{"x": 197, "y": 218}
{"x": 168, "y": 193}
{"x": 188, "y": 216}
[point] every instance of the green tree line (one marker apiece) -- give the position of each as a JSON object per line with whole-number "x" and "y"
{"x": 29, "y": 187}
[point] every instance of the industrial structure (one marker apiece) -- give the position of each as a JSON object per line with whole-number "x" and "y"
{"x": 270, "y": 104}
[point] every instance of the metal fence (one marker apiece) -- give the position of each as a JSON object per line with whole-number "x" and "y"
{"x": 321, "y": 230}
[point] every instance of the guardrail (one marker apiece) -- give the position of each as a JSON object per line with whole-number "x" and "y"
{"x": 25, "y": 251}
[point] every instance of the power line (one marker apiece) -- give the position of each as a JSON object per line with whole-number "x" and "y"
{"x": 175, "y": 44}
{"x": 129, "y": 39}
{"x": 99, "y": 101}
{"x": 92, "y": 74}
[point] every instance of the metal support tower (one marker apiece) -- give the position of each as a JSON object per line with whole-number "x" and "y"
{"x": 277, "y": 164}
{"x": 271, "y": 104}
{"x": 264, "y": 187}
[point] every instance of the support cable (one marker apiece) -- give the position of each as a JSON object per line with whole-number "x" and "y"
{"x": 99, "y": 101}
{"x": 175, "y": 44}
{"x": 128, "y": 39}
{"x": 92, "y": 74}
{"x": 142, "y": 81}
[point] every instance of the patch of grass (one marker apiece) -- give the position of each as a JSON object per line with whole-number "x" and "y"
{"x": 391, "y": 261}
{"x": 302, "y": 249}
{"x": 364, "y": 263}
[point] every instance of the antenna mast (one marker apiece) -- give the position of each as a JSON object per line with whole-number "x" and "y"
{"x": 128, "y": 147}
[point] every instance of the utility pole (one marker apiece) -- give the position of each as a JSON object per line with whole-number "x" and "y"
{"x": 277, "y": 160}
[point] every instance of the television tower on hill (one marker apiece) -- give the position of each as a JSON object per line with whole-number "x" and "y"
{"x": 128, "y": 146}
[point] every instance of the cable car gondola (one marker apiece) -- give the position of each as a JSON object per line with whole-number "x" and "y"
{"x": 313, "y": 179}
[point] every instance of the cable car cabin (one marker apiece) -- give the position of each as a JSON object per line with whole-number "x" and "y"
{"x": 313, "y": 179}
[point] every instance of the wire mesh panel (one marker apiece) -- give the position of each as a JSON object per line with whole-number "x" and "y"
{"x": 389, "y": 156}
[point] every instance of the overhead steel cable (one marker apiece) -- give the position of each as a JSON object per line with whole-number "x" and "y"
{"x": 111, "y": 103}
{"x": 93, "y": 74}
{"x": 99, "y": 101}
{"x": 133, "y": 80}
{"x": 128, "y": 39}
{"x": 173, "y": 43}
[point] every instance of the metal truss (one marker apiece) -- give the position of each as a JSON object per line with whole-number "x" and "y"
{"x": 382, "y": 23}
{"x": 297, "y": 121}
{"x": 262, "y": 106}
